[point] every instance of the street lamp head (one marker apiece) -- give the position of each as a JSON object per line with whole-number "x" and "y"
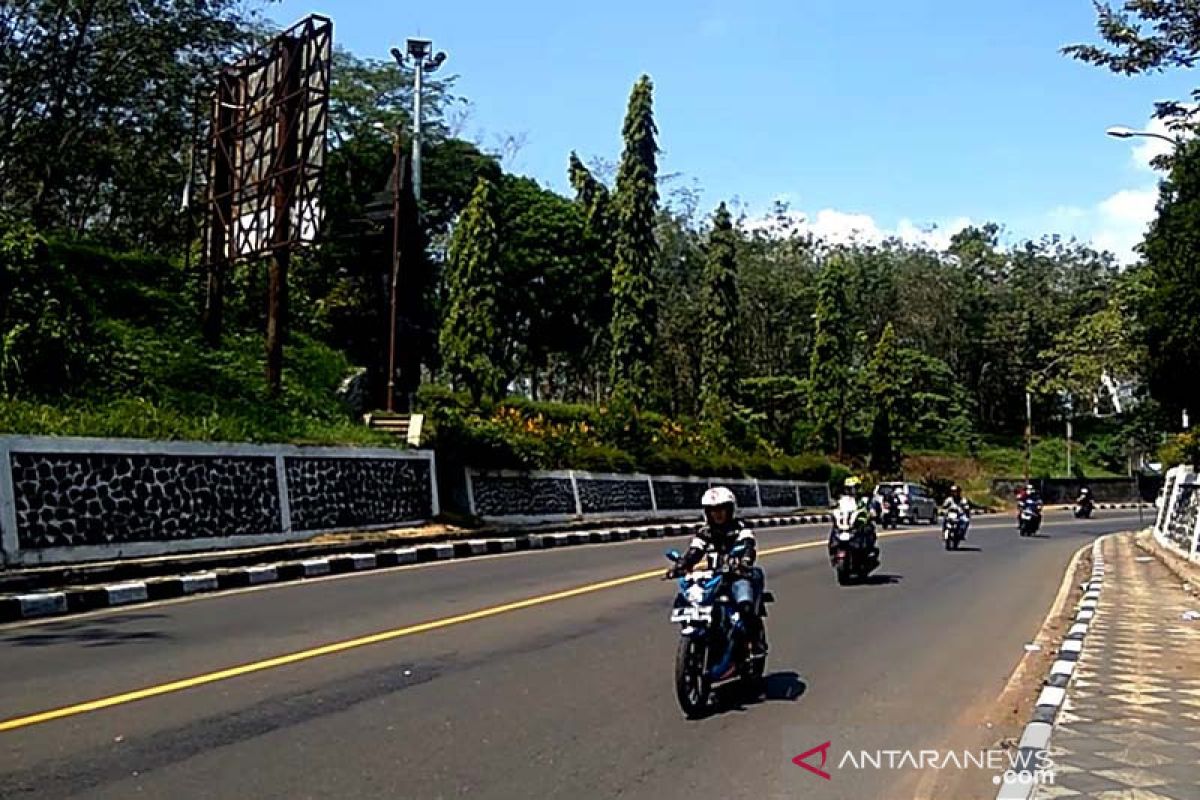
{"x": 1121, "y": 132}
{"x": 419, "y": 49}
{"x": 397, "y": 55}
{"x": 432, "y": 64}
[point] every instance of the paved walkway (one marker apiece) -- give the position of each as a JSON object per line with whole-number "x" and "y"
{"x": 1130, "y": 726}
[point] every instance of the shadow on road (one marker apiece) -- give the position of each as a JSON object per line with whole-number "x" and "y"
{"x": 780, "y": 687}
{"x": 965, "y": 549}
{"x": 784, "y": 686}
{"x": 89, "y": 633}
{"x": 881, "y": 579}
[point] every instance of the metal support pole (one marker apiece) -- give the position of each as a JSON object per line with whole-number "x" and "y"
{"x": 416, "y": 149}
{"x": 1028, "y": 433}
{"x": 392, "y": 317}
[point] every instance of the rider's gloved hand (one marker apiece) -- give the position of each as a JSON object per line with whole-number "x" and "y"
{"x": 673, "y": 572}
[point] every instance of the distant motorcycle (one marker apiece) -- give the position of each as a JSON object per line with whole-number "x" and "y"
{"x": 851, "y": 551}
{"x": 1029, "y": 518}
{"x": 714, "y": 646}
{"x": 1083, "y": 508}
{"x": 954, "y": 528}
{"x": 888, "y": 512}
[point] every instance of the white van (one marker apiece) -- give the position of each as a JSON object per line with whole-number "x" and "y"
{"x": 915, "y": 503}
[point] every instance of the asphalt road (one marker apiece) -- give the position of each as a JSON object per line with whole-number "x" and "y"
{"x": 560, "y": 696}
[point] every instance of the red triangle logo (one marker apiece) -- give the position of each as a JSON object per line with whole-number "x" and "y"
{"x": 801, "y": 760}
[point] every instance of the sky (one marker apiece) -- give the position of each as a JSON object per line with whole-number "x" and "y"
{"x": 868, "y": 118}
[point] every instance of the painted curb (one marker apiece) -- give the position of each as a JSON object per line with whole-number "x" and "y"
{"x": 1019, "y": 783}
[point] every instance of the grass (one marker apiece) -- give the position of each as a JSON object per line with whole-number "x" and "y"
{"x": 168, "y": 385}
{"x": 1002, "y": 460}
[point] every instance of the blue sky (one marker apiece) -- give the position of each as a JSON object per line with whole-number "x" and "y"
{"x": 876, "y": 115}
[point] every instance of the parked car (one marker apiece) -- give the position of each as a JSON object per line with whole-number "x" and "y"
{"x": 916, "y": 505}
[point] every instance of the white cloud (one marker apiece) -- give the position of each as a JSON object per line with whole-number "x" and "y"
{"x": 1117, "y": 223}
{"x": 842, "y": 227}
{"x": 1147, "y": 148}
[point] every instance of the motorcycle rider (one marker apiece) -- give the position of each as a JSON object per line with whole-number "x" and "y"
{"x": 850, "y": 493}
{"x": 956, "y": 502}
{"x": 1031, "y": 496}
{"x": 1085, "y": 497}
{"x": 722, "y": 531}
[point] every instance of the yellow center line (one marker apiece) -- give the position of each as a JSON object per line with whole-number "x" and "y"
{"x": 351, "y": 644}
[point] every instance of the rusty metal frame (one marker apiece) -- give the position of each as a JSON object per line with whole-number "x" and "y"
{"x": 266, "y": 146}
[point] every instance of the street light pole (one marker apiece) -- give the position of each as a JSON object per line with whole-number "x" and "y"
{"x": 424, "y": 60}
{"x": 1122, "y": 132}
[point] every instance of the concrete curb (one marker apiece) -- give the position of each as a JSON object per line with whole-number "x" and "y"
{"x": 89, "y": 598}
{"x": 1020, "y": 782}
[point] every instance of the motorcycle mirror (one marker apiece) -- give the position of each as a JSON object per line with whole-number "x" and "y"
{"x": 673, "y": 555}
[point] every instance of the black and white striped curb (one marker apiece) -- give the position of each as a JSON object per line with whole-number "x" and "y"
{"x": 88, "y": 598}
{"x": 1115, "y": 506}
{"x": 1021, "y": 781}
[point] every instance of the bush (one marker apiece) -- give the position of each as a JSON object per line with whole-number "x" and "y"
{"x": 523, "y": 434}
{"x": 601, "y": 458}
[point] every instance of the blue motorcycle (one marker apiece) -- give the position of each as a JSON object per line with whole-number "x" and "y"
{"x": 713, "y": 645}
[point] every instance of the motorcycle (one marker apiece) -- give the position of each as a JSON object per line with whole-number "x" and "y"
{"x": 888, "y": 512}
{"x": 954, "y": 528}
{"x": 713, "y": 643}
{"x": 851, "y": 552}
{"x": 1029, "y": 519}
{"x": 1083, "y": 509}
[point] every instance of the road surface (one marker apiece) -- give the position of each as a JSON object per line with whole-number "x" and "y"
{"x": 528, "y": 675}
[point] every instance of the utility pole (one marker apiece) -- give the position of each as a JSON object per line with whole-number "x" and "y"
{"x": 1028, "y": 433}
{"x": 397, "y": 185}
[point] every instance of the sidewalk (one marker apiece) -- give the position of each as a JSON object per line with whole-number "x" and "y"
{"x": 1130, "y": 724}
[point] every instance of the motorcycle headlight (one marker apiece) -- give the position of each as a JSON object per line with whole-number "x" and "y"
{"x": 695, "y": 593}
{"x": 844, "y": 536}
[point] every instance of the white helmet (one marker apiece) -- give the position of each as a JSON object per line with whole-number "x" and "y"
{"x": 718, "y": 496}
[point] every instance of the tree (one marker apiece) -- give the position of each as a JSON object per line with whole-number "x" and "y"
{"x": 720, "y": 308}
{"x": 1146, "y": 36}
{"x": 884, "y": 390}
{"x": 554, "y": 286}
{"x": 597, "y": 204}
{"x": 1101, "y": 347}
{"x": 830, "y": 368}
{"x": 471, "y": 345}
{"x": 595, "y": 199}
{"x": 1169, "y": 308}
{"x": 99, "y": 110}
{"x": 343, "y": 286}
{"x": 634, "y": 317}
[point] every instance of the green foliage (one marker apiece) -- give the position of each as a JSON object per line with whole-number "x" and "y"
{"x": 517, "y": 433}
{"x": 99, "y": 110}
{"x": 634, "y": 315}
{"x": 720, "y": 309}
{"x": 884, "y": 386}
{"x": 555, "y": 287}
{"x": 44, "y": 317}
{"x": 470, "y": 342}
{"x": 1102, "y": 345}
{"x": 1144, "y": 36}
{"x": 830, "y": 369}
{"x": 1169, "y": 306}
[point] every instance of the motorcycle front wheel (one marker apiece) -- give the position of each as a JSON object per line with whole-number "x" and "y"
{"x": 691, "y": 685}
